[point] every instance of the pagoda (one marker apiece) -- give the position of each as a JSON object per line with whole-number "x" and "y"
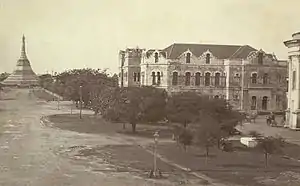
{"x": 23, "y": 75}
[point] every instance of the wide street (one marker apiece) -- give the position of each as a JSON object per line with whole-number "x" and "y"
{"x": 261, "y": 127}
{"x": 31, "y": 153}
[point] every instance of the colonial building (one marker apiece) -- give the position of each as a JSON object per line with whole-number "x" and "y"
{"x": 293, "y": 110}
{"x": 249, "y": 78}
{"x": 23, "y": 74}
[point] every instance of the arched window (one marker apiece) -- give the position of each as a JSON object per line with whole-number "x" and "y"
{"x": 153, "y": 78}
{"x": 265, "y": 78}
{"x": 208, "y": 58}
{"x": 217, "y": 79}
{"x": 188, "y": 58}
{"x": 138, "y": 76}
{"x": 187, "y": 78}
{"x": 156, "y": 57}
{"x": 134, "y": 76}
{"x": 158, "y": 78}
{"x": 265, "y": 103}
{"x": 253, "y": 103}
{"x": 175, "y": 78}
{"x": 197, "y": 79}
{"x": 207, "y": 79}
{"x": 278, "y": 101}
{"x": 254, "y": 78}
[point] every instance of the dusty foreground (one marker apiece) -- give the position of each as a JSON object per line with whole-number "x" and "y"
{"x": 33, "y": 154}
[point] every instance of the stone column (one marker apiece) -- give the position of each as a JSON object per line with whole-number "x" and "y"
{"x": 294, "y": 94}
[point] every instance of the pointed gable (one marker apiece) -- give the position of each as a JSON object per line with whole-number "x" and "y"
{"x": 151, "y": 51}
{"x": 219, "y": 51}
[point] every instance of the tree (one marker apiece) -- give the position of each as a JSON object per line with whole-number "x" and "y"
{"x": 183, "y": 108}
{"x": 136, "y": 104}
{"x": 191, "y": 108}
{"x": 208, "y": 132}
{"x": 270, "y": 145}
{"x": 224, "y": 117}
{"x": 93, "y": 81}
{"x": 185, "y": 138}
{"x": 45, "y": 80}
{"x": 103, "y": 98}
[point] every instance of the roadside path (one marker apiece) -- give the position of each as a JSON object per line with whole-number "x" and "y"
{"x": 29, "y": 150}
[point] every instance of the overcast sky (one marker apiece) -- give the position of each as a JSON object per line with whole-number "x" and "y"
{"x": 65, "y": 34}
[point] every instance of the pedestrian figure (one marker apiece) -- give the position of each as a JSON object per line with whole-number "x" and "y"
{"x": 272, "y": 119}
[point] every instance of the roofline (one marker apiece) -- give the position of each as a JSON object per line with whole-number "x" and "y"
{"x": 171, "y": 50}
{"x": 297, "y": 33}
{"x": 292, "y": 41}
{"x": 236, "y": 45}
{"x": 236, "y": 51}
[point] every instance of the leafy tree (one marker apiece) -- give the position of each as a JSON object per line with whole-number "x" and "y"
{"x": 185, "y": 138}
{"x": 191, "y": 108}
{"x": 45, "y": 80}
{"x": 222, "y": 115}
{"x": 207, "y": 133}
{"x": 136, "y": 104}
{"x": 93, "y": 81}
{"x": 270, "y": 145}
{"x": 183, "y": 108}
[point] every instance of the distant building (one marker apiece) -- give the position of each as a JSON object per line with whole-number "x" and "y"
{"x": 23, "y": 75}
{"x": 293, "y": 110}
{"x": 249, "y": 78}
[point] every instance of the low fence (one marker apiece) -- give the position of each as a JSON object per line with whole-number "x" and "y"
{"x": 46, "y": 94}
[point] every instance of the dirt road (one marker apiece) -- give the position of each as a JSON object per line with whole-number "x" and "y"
{"x": 30, "y": 153}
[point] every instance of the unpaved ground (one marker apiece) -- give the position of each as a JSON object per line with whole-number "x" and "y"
{"x": 33, "y": 154}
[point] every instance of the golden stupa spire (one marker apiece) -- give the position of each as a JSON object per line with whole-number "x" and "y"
{"x": 23, "y": 51}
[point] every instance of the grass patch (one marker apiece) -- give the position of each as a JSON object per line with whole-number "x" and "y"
{"x": 97, "y": 125}
{"x": 242, "y": 166}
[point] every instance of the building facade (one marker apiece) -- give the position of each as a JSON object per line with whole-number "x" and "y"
{"x": 293, "y": 108}
{"x": 249, "y": 78}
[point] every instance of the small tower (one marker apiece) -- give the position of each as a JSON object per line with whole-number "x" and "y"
{"x": 130, "y": 69}
{"x": 293, "y": 110}
{"x": 23, "y": 74}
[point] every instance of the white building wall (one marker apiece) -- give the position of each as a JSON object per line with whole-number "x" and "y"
{"x": 293, "y": 111}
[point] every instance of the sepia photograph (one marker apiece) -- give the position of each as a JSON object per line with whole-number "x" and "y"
{"x": 149, "y": 93}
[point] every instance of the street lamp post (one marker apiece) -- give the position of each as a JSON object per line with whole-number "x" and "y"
{"x": 72, "y": 107}
{"x": 155, "y": 172}
{"x": 57, "y": 103}
{"x": 156, "y": 135}
{"x": 80, "y": 93}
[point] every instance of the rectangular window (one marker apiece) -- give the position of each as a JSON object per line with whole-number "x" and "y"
{"x": 207, "y": 59}
{"x": 278, "y": 101}
{"x": 138, "y": 77}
